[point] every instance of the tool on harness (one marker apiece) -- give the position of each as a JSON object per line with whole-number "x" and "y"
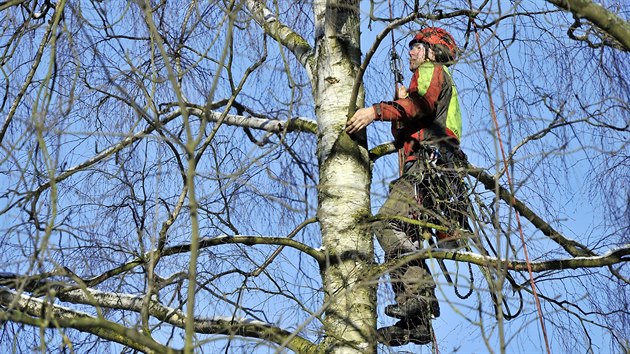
{"x": 442, "y": 192}
{"x": 396, "y": 64}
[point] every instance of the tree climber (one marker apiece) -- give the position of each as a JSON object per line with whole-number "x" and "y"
{"x": 426, "y": 124}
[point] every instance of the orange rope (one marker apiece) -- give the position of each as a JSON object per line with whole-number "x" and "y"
{"x": 436, "y": 350}
{"x": 509, "y": 180}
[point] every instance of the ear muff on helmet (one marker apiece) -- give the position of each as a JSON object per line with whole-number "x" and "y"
{"x": 442, "y": 54}
{"x": 440, "y": 41}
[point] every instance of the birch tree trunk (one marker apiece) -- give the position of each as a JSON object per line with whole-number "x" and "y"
{"x": 102, "y": 100}
{"x": 343, "y": 192}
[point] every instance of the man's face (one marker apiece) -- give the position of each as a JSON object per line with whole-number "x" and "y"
{"x": 417, "y": 55}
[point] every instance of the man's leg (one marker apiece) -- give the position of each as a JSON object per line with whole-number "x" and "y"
{"x": 415, "y": 330}
{"x": 415, "y": 292}
{"x": 392, "y": 234}
{"x": 412, "y": 283}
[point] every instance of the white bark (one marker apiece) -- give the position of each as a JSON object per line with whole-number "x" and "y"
{"x": 30, "y": 310}
{"x": 344, "y": 199}
{"x": 36, "y": 307}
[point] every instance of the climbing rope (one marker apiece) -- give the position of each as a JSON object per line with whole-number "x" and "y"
{"x": 471, "y": 279}
{"x": 507, "y": 313}
{"x": 509, "y": 180}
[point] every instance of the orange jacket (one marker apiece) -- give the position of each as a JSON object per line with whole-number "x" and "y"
{"x": 429, "y": 115}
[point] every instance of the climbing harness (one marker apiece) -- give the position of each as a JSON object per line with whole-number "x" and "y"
{"x": 445, "y": 197}
{"x": 443, "y": 193}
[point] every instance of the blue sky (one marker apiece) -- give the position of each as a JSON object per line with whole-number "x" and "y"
{"x": 554, "y": 187}
{"x": 513, "y": 75}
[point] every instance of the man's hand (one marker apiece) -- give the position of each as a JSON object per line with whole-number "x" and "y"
{"x": 361, "y": 119}
{"x": 402, "y": 92}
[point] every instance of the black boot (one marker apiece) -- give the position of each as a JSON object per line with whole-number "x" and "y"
{"x": 415, "y": 306}
{"x": 406, "y": 331}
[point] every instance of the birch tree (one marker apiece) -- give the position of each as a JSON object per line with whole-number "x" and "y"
{"x": 176, "y": 177}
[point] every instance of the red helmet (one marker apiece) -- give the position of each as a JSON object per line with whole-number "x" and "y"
{"x": 439, "y": 40}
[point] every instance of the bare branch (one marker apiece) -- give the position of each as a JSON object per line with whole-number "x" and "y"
{"x": 66, "y": 317}
{"x": 30, "y": 310}
{"x": 51, "y": 31}
{"x": 615, "y": 256}
{"x": 297, "y": 124}
{"x": 571, "y": 246}
{"x": 603, "y": 18}
{"x": 211, "y": 242}
{"x": 283, "y": 34}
